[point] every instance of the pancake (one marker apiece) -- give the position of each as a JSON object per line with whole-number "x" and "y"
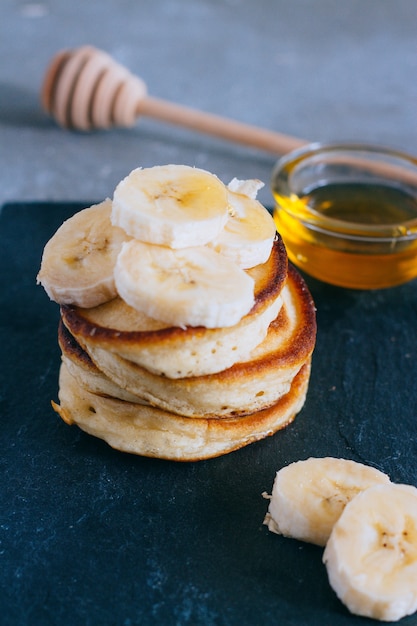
{"x": 250, "y": 385}
{"x": 182, "y": 352}
{"x": 82, "y": 368}
{"x": 152, "y": 432}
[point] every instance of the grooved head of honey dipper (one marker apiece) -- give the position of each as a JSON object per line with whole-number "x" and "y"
{"x": 85, "y": 88}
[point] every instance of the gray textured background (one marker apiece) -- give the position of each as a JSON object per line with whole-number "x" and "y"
{"x": 320, "y": 70}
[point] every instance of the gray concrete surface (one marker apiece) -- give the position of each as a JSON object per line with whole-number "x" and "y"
{"x": 322, "y": 70}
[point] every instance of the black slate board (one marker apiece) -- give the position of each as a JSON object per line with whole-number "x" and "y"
{"x": 91, "y": 536}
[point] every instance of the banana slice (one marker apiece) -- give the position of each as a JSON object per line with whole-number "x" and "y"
{"x": 248, "y": 234}
{"x": 309, "y": 496}
{"x": 171, "y": 205}
{"x": 371, "y": 556}
{"x": 187, "y": 287}
{"x": 249, "y": 187}
{"x": 78, "y": 261}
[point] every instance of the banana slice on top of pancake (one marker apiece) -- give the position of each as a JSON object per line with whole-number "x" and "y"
{"x": 78, "y": 261}
{"x": 171, "y": 205}
{"x": 249, "y": 232}
{"x": 187, "y": 287}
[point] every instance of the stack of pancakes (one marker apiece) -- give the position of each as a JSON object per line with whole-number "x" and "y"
{"x": 188, "y": 394}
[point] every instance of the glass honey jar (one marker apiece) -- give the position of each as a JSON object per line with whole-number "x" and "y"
{"x": 348, "y": 213}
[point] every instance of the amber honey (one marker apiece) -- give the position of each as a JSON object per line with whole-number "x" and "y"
{"x": 354, "y": 231}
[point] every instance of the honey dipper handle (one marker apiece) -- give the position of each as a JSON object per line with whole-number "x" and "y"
{"x": 211, "y": 124}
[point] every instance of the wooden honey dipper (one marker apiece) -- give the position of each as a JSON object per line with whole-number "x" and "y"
{"x": 85, "y": 88}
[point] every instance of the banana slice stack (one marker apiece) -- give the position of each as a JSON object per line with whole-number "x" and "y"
{"x": 184, "y": 334}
